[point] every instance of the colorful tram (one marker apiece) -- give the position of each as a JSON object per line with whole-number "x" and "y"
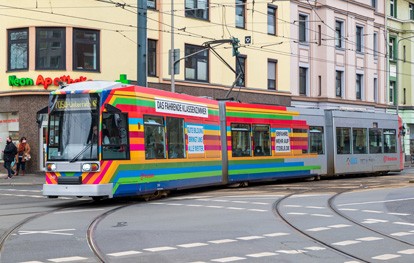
{"x": 108, "y": 139}
{"x": 354, "y": 142}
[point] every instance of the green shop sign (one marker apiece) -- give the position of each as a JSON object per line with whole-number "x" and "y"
{"x": 45, "y": 82}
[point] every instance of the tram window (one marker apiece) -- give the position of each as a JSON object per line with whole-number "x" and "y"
{"x": 390, "y": 141}
{"x": 316, "y": 139}
{"x": 240, "y": 138}
{"x": 154, "y": 137}
{"x": 375, "y": 140}
{"x": 343, "y": 140}
{"x": 305, "y": 132}
{"x": 359, "y": 136}
{"x": 261, "y": 140}
{"x": 175, "y": 138}
{"x": 115, "y": 139}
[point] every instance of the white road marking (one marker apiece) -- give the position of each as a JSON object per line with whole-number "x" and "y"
{"x": 346, "y": 243}
{"x": 301, "y": 196}
{"x": 339, "y": 226}
{"x": 51, "y": 232}
{"x": 257, "y": 210}
{"x": 352, "y": 262}
{"x": 369, "y": 238}
{"x": 228, "y": 259}
{"x": 291, "y": 252}
{"x": 372, "y": 211}
{"x": 315, "y": 207}
{"x": 321, "y": 215}
{"x": 221, "y": 200}
{"x": 222, "y": 241}
{"x": 175, "y": 204}
{"x": 32, "y": 262}
{"x": 124, "y": 253}
{"x": 263, "y": 254}
{"x": 190, "y": 245}
{"x": 250, "y": 237}
{"x": 377, "y": 202}
{"x": 317, "y": 229}
{"x": 348, "y": 209}
{"x": 259, "y": 203}
{"x": 406, "y": 252}
{"x": 67, "y": 259}
{"x": 297, "y": 213}
{"x": 240, "y": 202}
{"x": 157, "y": 203}
{"x": 235, "y": 208}
{"x": 401, "y": 234}
{"x": 276, "y": 234}
{"x": 386, "y": 257}
{"x": 194, "y": 205}
{"x": 404, "y": 223}
{"x": 374, "y": 221}
{"x": 315, "y": 248}
{"x": 293, "y": 206}
{"x": 79, "y": 211}
{"x": 214, "y": 206}
{"x": 399, "y": 214}
{"x": 158, "y": 249}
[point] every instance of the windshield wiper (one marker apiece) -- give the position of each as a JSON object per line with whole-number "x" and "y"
{"x": 80, "y": 153}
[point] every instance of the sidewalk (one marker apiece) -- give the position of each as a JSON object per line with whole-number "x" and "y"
{"x": 27, "y": 179}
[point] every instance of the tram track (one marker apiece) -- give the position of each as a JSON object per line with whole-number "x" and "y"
{"x": 276, "y": 210}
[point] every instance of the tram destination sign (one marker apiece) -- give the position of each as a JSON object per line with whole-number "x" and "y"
{"x": 181, "y": 108}
{"x": 76, "y": 103}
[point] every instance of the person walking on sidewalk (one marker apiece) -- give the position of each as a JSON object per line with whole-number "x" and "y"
{"x": 9, "y": 154}
{"x": 22, "y": 156}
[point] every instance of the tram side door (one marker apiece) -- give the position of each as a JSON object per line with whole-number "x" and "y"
{"x": 42, "y": 141}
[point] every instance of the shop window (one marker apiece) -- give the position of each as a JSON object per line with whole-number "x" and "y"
{"x": 115, "y": 139}
{"x": 240, "y": 138}
{"x": 261, "y": 140}
{"x": 18, "y": 41}
{"x": 175, "y": 138}
{"x": 50, "y": 48}
{"x": 390, "y": 141}
{"x": 154, "y": 136}
{"x": 343, "y": 140}
{"x": 375, "y": 141}
{"x": 359, "y": 140}
{"x": 86, "y": 50}
{"x": 316, "y": 139}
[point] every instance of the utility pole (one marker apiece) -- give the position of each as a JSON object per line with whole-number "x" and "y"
{"x": 172, "y": 56}
{"x": 142, "y": 43}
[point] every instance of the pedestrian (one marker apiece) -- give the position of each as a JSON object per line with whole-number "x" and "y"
{"x": 9, "y": 153}
{"x": 22, "y": 156}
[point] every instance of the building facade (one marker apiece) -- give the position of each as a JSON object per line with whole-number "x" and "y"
{"x": 340, "y": 61}
{"x": 400, "y": 24}
{"x": 49, "y": 42}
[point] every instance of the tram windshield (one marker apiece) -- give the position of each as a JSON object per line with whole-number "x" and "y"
{"x": 73, "y": 127}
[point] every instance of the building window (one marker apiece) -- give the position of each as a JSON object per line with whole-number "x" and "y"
{"x": 85, "y": 50}
{"x": 271, "y": 20}
{"x": 303, "y": 80}
{"x": 271, "y": 74}
{"x": 18, "y": 42}
{"x": 241, "y": 13}
{"x": 375, "y": 45}
{"x": 339, "y": 79}
{"x": 151, "y": 4}
{"x": 241, "y": 69}
{"x": 359, "y": 38}
{"x": 374, "y": 4}
{"x": 393, "y": 8}
{"x": 303, "y": 24}
{"x": 50, "y": 48}
{"x": 375, "y": 89}
{"x": 196, "y": 63}
{"x": 196, "y": 9}
{"x": 411, "y": 8}
{"x": 391, "y": 48}
{"x": 152, "y": 58}
{"x": 338, "y": 34}
{"x": 358, "y": 86}
{"x": 392, "y": 92}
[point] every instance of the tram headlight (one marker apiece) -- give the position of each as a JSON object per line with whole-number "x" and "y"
{"x": 90, "y": 167}
{"x": 51, "y": 167}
